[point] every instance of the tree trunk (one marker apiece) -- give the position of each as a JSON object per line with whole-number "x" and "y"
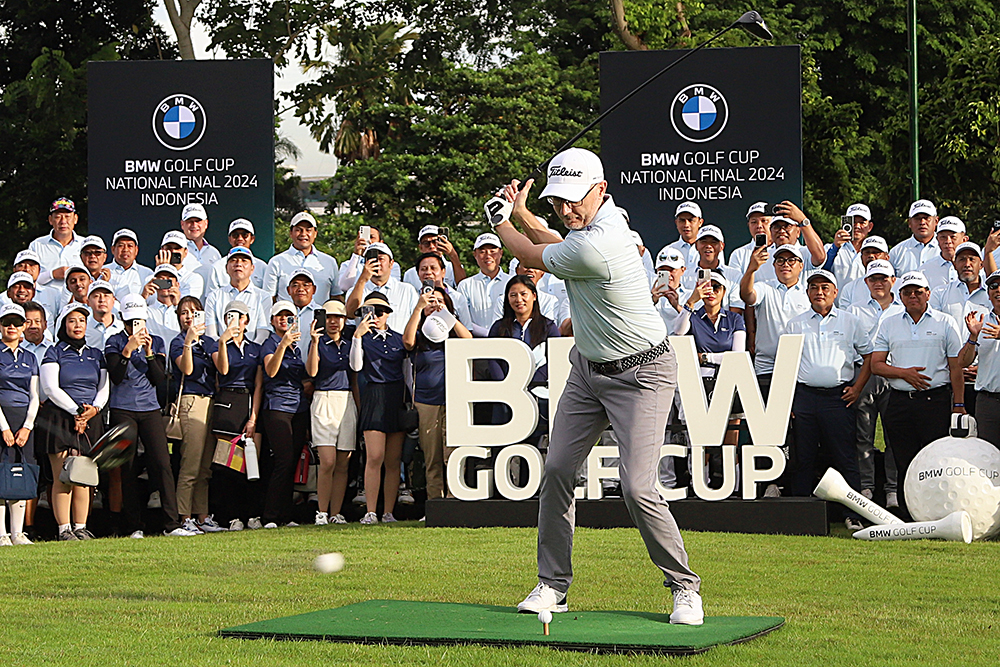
{"x": 632, "y": 42}
{"x": 181, "y": 13}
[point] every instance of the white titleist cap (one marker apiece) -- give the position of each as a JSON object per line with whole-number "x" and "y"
{"x": 487, "y": 239}
{"x": 303, "y": 217}
{"x": 710, "y": 231}
{"x": 572, "y": 173}
{"x": 950, "y": 223}
{"x": 241, "y": 223}
{"x": 880, "y": 267}
{"x": 824, "y": 274}
{"x": 914, "y": 278}
{"x": 194, "y": 211}
{"x": 670, "y": 258}
{"x": 20, "y": 277}
{"x": 969, "y": 245}
{"x": 134, "y": 308}
{"x": 875, "y": 242}
{"x": 95, "y": 241}
{"x": 124, "y": 234}
{"x": 427, "y": 230}
{"x": 688, "y": 207}
{"x": 174, "y": 236}
{"x": 921, "y": 206}
{"x": 758, "y": 207}
{"x": 859, "y": 209}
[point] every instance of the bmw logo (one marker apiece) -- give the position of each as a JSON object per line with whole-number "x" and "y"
{"x": 179, "y": 122}
{"x": 699, "y": 112}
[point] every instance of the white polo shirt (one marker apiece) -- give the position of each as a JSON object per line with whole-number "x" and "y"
{"x": 323, "y": 268}
{"x": 988, "y": 376}
{"x": 830, "y": 346}
{"x": 130, "y": 280}
{"x": 162, "y": 321}
{"x": 668, "y": 313}
{"x": 955, "y": 300}
{"x": 776, "y": 306}
{"x": 688, "y": 250}
{"x": 258, "y": 303}
{"x": 846, "y": 268}
{"x": 740, "y": 258}
{"x": 910, "y": 254}
{"x": 938, "y": 271}
{"x": 871, "y": 314}
{"x": 402, "y": 299}
{"x": 218, "y": 277}
{"x": 208, "y": 254}
{"x": 52, "y": 254}
{"x": 481, "y": 293}
{"x": 351, "y": 269}
{"x": 607, "y": 288}
{"x": 927, "y": 343}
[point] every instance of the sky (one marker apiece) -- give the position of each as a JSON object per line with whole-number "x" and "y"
{"x": 313, "y": 162}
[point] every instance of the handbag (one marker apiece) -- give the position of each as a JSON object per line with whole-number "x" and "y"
{"x": 80, "y": 471}
{"x": 307, "y": 470}
{"x": 230, "y": 454}
{"x": 174, "y": 430}
{"x": 19, "y": 480}
{"x": 409, "y": 420}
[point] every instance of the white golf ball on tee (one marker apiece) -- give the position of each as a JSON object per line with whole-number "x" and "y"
{"x": 545, "y": 616}
{"x": 329, "y": 563}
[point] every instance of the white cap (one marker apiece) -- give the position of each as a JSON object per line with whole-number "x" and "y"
{"x": 950, "y": 223}
{"x": 993, "y": 278}
{"x": 20, "y": 277}
{"x": 788, "y": 247}
{"x": 914, "y": 278}
{"x": 301, "y": 272}
{"x": 428, "y": 230}
{"x": 969, "y": 245}
{"x": 758, "y": 207}
{"x": 875, "y": 242}
{"x": 124, "y": 234}
{"x": 94, "y": 240}
{"x": 167, "y": 268}
{"x": 27, "y": 256}
{"x": 710, "y": 230}
{"x": 305, "y": 217}
{"x": 859, "y": 209}
{"x": 194, "y": 211}
{"x": 824, "y": 274}
{"x": 12, "y": 309}
{"x": 174, "y": 236}
{"x": 880, "y": 267}
{"x": 689, "y": 207}
{"x": 571, "y": 174}
{"x": 637, "y": 238}
{"x": 782, "y": 220}
{"x": 100, "y": 284}
{"x": 241, "y": 223}
{"x": 487, "y": 239}
{"x": 283, "y": 305}
{"x": 437, "y": 325}
{"x": 134, "y": 308}
{"x": 717, "y": 277}
{"x": 71, "y": 307}
{"x": 670, "y": 257}
{"x": 382, "y": 248}
{"x": 921, "y": 206}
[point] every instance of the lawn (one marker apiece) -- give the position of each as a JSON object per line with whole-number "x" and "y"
{"x": 160, "y": 601}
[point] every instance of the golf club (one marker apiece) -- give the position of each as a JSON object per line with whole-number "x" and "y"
{"x": 115, "y": 447}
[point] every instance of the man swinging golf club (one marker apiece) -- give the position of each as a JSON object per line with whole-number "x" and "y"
{"x": 623, "y": 373}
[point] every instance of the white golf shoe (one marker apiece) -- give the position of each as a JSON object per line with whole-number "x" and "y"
{"x": 543, "y": 598}
{"x": 687, "y": 608}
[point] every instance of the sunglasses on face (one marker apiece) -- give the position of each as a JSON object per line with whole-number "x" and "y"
{"x": 11, "y": 322}
{"x": 380, "y": 311}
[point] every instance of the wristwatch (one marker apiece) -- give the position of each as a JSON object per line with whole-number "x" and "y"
{"x": 805, "y": 222}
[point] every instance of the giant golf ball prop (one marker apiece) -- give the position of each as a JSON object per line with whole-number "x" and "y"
{"x": 952, "y": 474}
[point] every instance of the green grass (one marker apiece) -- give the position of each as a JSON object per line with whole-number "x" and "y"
{"x": 160, "y": 601}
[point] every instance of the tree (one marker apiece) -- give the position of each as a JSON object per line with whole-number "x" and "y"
{"x": 181, "y": 13}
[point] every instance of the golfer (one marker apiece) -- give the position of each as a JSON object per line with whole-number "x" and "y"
{"x": 623, "y": 373}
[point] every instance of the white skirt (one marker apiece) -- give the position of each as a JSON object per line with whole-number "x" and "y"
{"x": 334, "y": 420}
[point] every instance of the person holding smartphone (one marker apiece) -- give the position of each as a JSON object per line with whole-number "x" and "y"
{"x": 376, "y": 275}
{"x": 173, "y": 251}
{"x": 285, "y": 414}
{"x": 194, "y": 376}
{"x": 239, "y": 268}
{"x": 162, "y": 294}
{"x": 102, "y": 323}
{"x": 349, "y": 270}
{"x": 431, "y": 271}
{"x": 241, "y": 235}
{"x": 431, "y": 240}
{"x": 669, "y": 292}
{"x": 377, "y": 354}
{"x": 855, "y": 226}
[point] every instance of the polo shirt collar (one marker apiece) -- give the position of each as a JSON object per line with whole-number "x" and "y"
{"x": 381, "y": 334}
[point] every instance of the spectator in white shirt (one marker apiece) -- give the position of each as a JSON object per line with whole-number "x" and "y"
{"x": 302, "y": 293}
{"x": 20, "y": 289}
{"x": 239, "y": 268}
{"x": 482, "y": 290}
{"x": 376, "y": 275}
{"x": 349, "y": 270}
{"x": 940, "y": 270}
{"x": 127, "y": 275}
{"x": 688, "y": 220}
{"x": 669, "y": 293}
{"x": 302, "y": 255}
{"x": 814, "y": 254}
{"x": 909, "y": 255}
{"x": 194, "y": 224}
{"x": 847, "y": 265}
{"x": 161, "y": 302}
{"x": 78, "y": 281}
{"x": 968, "y": 290}
{"x": 758, "y": 222}
{"x": 102, "y": 323}
{"x": 430, "y": 240}
{"x": 60, "y": 248}
{"x": 241, "y": 233}
{"x": 47, "y": 296}
{"x": 173, "y": 251}
{"x": 93, "y": 253}
{"x": 430, "y": 270}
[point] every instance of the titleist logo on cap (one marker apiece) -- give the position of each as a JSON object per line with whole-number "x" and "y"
{"x": 560, "y": 170}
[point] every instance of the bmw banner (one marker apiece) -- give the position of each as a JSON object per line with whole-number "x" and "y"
{"x": 723, "y": 129}
{"x": 164, "y": 134}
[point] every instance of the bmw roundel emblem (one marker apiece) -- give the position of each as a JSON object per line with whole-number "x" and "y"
{"x": 179, "y": 122}
{"x": 699, "y": 112}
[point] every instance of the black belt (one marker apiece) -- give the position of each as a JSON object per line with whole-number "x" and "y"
{"x": 235, "y": 390}
{"x": 826, "y": 391}
{"x": 926, "y": 393}
{"x": 621, "y": 365}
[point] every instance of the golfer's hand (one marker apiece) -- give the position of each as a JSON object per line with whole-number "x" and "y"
{"x": 915, "y": 378}
{"x": 498, "y": 211}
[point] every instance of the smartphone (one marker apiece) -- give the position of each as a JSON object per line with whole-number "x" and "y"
{"x": 662, "y": 280}
{"x": 231, "y": 317}
{"x": 365, "y": 233}
{"x": 996, "y": 225}
{"x": 292, "y": 321}
{"x": 760, "y": 240}
{"x": 443, "y": 232}
{"x": 366, "y": 311}
{"x": 774, "y": 210}
{"x": 704, "y": 275}
{"x": 175, "y": 258}
{"x": 138, "y": 325}
{"x": 162, "y": 283}
{"x": 370, "y": 254}
{"x": 427, "y": 286}
{"x": 847, "y": 223}
{"x": 319, "y": 319}
{"x": 198, "y": 317}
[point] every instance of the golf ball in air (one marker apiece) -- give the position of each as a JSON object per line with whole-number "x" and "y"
{"x": 545, "y": 616}
{"x": 329, "y": 563}
{"x": 952, "y": 474}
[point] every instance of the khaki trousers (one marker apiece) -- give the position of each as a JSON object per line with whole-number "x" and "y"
{"x": 432, "y": 443}
{"x": 197, "y": 449}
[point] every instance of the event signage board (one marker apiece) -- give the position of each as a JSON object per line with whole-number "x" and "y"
{"x": 162, "y": 134}
{"x": 722, "y": 129}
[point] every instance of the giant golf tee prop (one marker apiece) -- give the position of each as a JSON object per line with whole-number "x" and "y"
{"x": 834, "y": 487}
{"x": 957, "y": 526}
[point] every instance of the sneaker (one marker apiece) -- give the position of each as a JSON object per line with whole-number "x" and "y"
{"x": 852, "y": 524}
{"x": 20, "y": 538}
{"x": 322, "y": 519}
{"x": 370, "y": 519}
{"x": 891, "y": 500}
{"x": 543, "y": 598}
{"x": 210, "y": 526}
{"x": 5, "y": 541}
{"x": 405, "y": 497}
{"x": 191, "y": 525}
{"x": 254, "y": 523}
{"x": 235, "y": 525}
{"x": 291, "y": 524}
{"x": 687, "y": 608}
{"x": 867, "y": 493}
{"x": 338, "y": 518}
{"x": 423, "y": 519}
{"x": 68, "y": 535}
{"x": 270, "y": 524}
{"x": 388, "y": 518}
{"x": 360, "y": 498}
{"x": 181, "y": 531}
{"x": 137, "y": 535}
{"x": 83, "y": 534}
{"x": 154, "y": 501}
{"x": 772, "y": 491}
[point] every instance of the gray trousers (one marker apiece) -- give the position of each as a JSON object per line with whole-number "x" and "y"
{"x": 636, "y": 403}
{"x": 874, "y": 401}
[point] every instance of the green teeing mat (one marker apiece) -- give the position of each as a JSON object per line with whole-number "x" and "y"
{"x": 399, "y": 622}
